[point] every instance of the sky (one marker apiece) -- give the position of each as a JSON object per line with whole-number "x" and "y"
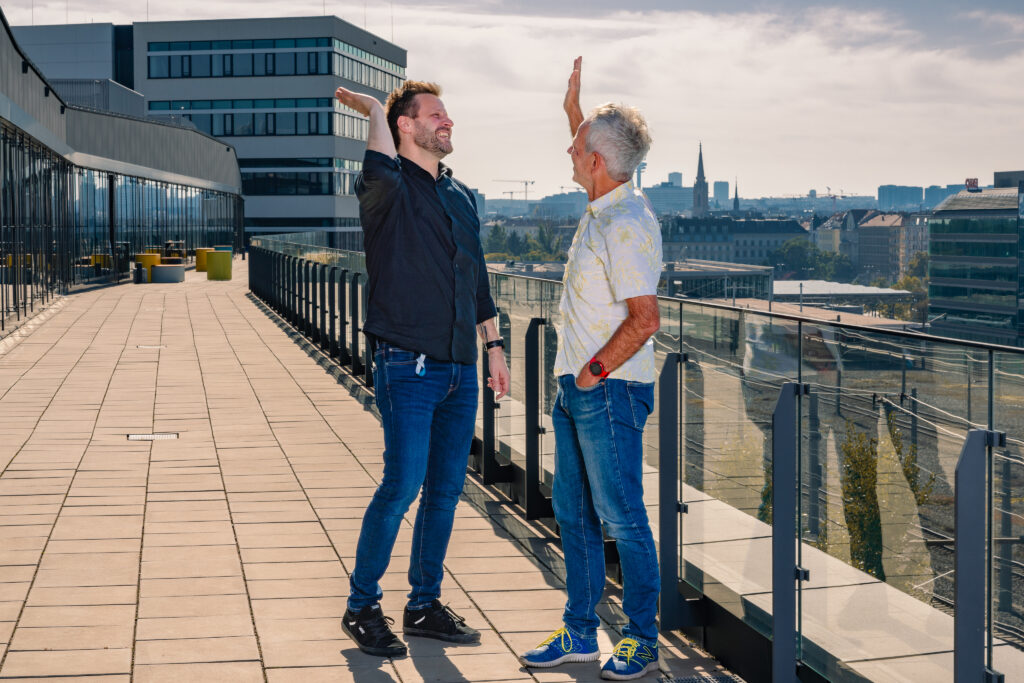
{"x": 785, "y": 96}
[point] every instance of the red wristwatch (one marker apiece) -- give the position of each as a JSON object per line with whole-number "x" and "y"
{"x": 597, "y": 368}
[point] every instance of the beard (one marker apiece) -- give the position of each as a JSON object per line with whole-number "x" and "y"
{"x": 427, "y": 140}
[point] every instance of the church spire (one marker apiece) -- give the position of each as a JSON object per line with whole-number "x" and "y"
{"x": 736, "y": 195}
{"x": 700, "y": 187}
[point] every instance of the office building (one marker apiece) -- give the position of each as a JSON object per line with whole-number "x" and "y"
{"x": 1008, "y": 178}
{"x": 721, "y": 194}
{"x": 265, "y": 86}
{"x": 85, "y": 191}
{"x": 895, "y": 197}
{"x": 675, "y": 178}
{"x": 878, "y": 246}
{"x": 974, "y": 267}
{"x": 726, "y": 239}
{"x": 936, "y": 194}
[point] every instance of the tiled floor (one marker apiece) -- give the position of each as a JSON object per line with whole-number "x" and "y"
{"x": 222, "y": 555}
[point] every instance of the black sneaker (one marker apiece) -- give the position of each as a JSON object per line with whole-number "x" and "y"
{"x": 440, "y": 622}
{"x": 372, "y": 632}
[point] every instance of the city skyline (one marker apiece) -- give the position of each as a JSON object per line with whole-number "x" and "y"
{"x": 788, "y": 96}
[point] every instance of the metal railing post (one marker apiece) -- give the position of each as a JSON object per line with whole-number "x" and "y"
{"x": 785, "y": 572}
{"x": 321, "y": 338}
{"x": 367, "y": 346}
{"x": 969, "y": 561}
{"x": 353, "y": 301}
{"x": 537, "y": 505}
{"x": 669, "y": 505}
{"x": 491, "y": 471}
{"x": 307, "y": 298}
{"x": 343, "y": 355}
{"x": 332, "y": 312}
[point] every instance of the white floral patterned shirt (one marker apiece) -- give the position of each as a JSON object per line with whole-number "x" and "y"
{"x": 615, "y": 255}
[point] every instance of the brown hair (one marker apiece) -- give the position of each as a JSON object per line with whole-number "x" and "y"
{"x": 402, "y": 102}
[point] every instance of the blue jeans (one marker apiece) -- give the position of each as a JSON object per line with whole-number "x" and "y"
{"x": 428, "y": 425}
{"x": 599, "y": 480}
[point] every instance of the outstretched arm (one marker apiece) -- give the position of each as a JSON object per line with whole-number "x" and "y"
{"x": 379, "y": 138}
{"x": 572, "y": 97}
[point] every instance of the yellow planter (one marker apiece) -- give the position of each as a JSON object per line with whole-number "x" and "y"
{"x": 148, "y": 261}
{"x": 218, "y": 265}
{"x": 201, "y": 253}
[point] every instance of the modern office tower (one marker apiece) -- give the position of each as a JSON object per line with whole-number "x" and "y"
{"x": 675, "y": 178}
{"x": 935, "y": 194}
{"x": 700, "y": 187}
{"x": 974, "y": 267}
{"x": 85, "y": 190}
{"x": 668, "y": 198}
{"x": 721, "y": 193}
{"x": 893, "y": 197}
{"x": 266, "y": 87}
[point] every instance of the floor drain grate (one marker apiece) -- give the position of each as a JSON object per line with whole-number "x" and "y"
{"x": 702, "y": 678}
{"x": 159, "y": 436}
{"x": 151, "y": 346}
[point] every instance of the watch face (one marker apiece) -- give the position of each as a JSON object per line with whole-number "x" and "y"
{"x": 596, "y": 369}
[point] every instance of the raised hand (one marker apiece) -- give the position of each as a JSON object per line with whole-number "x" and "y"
{"x": 379, "y": 136}
{"x": 571, "y": 104}
{"x": 361, "y": 103}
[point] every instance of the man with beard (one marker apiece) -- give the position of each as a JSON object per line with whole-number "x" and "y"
{"x": 428, "y": 289}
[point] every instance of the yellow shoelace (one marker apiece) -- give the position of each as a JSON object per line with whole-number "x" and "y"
{"x": 626, "y": 649}
{"x": 562, "y": 633}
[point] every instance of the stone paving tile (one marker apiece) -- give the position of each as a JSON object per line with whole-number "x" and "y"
{"x": 223, "y": 555}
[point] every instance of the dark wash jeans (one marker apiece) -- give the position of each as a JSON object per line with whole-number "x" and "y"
{"x": 428, "y": 429}
{"x": 599, "y": 480}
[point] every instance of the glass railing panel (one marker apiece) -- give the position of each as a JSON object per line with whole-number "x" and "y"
{"x": 546, "y": 295}
{"x": 881, "y": 432}
{"x": 514, "y": 313}
{"x": 737, "y": 363}
{"x": 1007, "y": 589}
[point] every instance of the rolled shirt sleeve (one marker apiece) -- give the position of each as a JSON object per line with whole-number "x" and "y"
{"x": 377, "y": 186}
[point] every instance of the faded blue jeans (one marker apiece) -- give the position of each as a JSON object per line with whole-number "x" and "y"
{"x": 428, "y": 425}
{"x": 599, "y": 480}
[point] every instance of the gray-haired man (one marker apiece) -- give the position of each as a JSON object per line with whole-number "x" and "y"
{"x": 605, "y": 368}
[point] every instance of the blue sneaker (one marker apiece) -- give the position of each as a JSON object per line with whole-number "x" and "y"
{"x": 560, "y": 647}
{"x": 631, "y": 659}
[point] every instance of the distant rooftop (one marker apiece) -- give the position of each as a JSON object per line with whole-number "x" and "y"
{"x": 988, "y": 199}
{"x": 826, "y": 288}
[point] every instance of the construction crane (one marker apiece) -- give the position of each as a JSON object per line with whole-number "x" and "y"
{"x": 526, "y": 186}
{"x": 833, "y": 196}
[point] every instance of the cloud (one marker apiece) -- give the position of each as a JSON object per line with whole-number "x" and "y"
{"x": 786, "y": 100}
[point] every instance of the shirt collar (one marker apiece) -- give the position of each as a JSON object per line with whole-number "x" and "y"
{"x": 609, "y": 199}
{"x": 443, "y": 171}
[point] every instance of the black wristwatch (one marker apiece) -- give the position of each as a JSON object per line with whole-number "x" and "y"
{"x": 597, "y": 368}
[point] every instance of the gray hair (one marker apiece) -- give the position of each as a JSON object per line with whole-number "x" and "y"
{"x": 619, "y": 134}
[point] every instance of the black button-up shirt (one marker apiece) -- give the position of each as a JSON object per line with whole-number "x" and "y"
{"x": 428, "y": 286}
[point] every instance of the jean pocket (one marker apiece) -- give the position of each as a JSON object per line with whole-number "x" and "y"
{"x": 641, "y": 401}
{"x": 587, "y": 390}
{"x": 397, "y": 356}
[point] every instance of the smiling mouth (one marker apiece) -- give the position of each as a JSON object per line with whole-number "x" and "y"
{"x": 444, "y": 135}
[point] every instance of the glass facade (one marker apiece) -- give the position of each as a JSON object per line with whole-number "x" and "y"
{"x": 974, "y": 273}
{"x": 237, "y": 58}
{"x": 63, "y": 225}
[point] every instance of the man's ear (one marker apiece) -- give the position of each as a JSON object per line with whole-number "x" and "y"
{"x": 405, "y": 124}
{"x": 597, "y": 164}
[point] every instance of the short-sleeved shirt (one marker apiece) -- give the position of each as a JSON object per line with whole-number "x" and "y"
{"x": 615, "y": 255}
{"x": 428, "y": 286}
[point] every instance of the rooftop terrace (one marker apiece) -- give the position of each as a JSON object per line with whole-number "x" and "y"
{"x": 223, "y": 554}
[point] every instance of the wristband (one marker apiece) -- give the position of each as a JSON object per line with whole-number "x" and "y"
{"x": 495, "y": 344}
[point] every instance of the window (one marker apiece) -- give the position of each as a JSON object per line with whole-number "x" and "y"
{"x": 203, "y": 122}
{"x": 200, "y": 66}
{"x": 243, "y": 124}
{"x": 242, "y": 65}
{"x": 284, "y": 64}
{"x": 285, "y": 123}
{"x": 159, "y": 67}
